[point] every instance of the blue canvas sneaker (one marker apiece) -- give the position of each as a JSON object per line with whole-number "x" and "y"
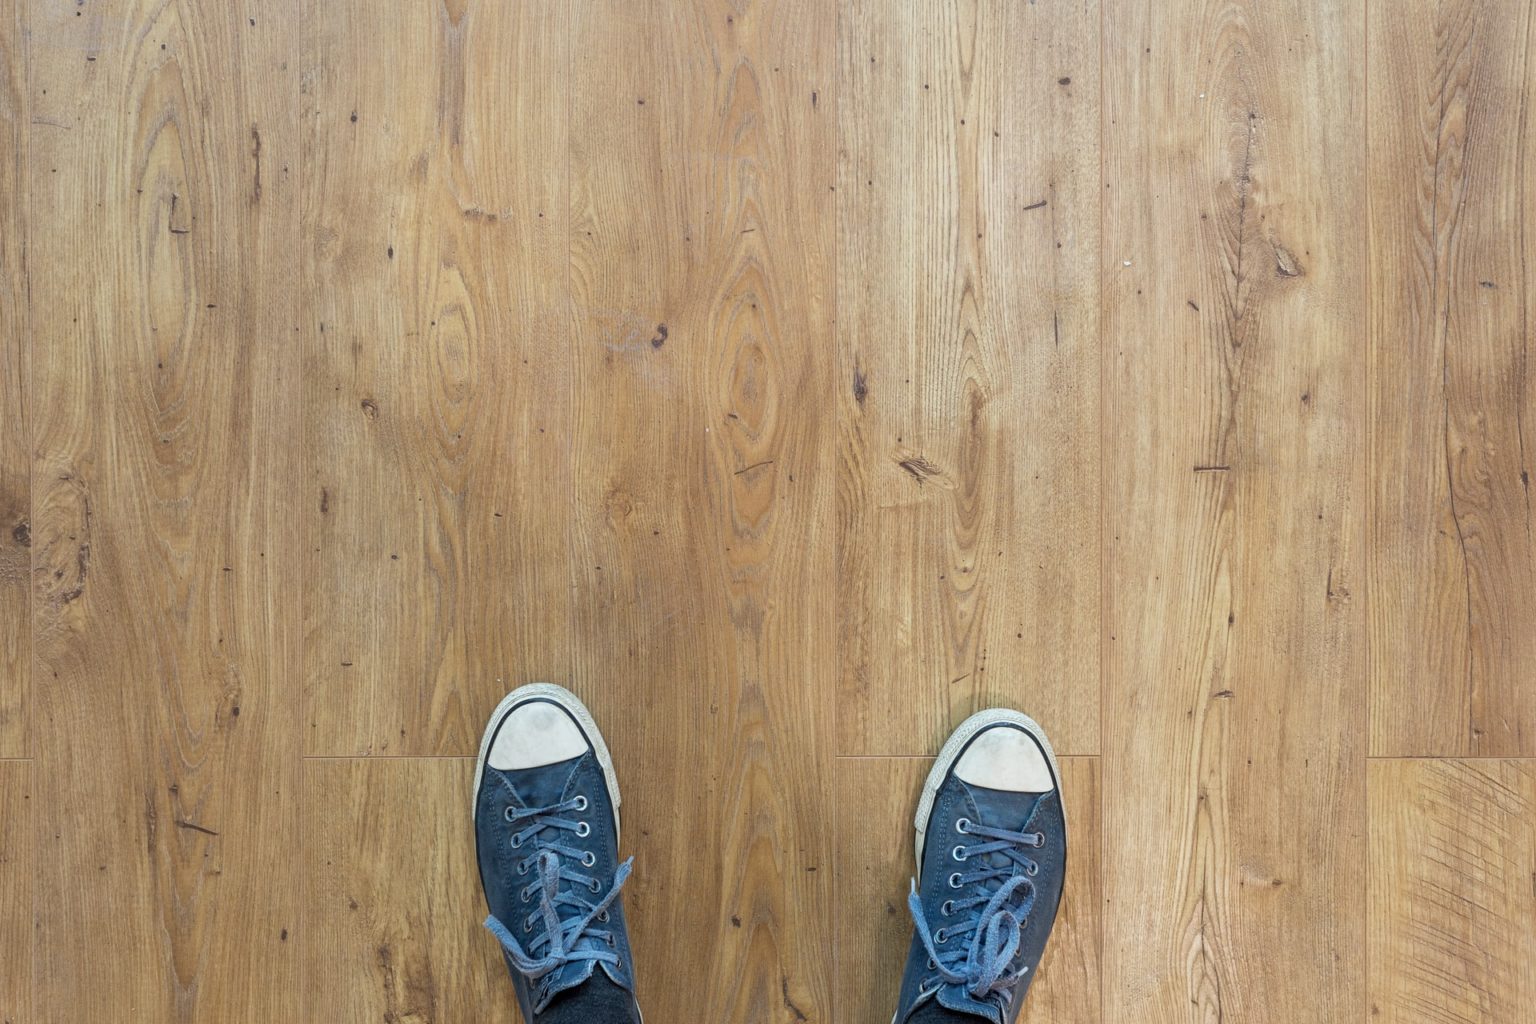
{"x": 547, "y": 838}
{"x": 991, "y": 856}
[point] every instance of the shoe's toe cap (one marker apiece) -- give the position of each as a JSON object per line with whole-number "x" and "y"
{"x": 1005, "y": 757}
{"x": 536, "y": 733}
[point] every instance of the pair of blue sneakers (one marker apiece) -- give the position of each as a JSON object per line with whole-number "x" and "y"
{"x": 991, "y": 853}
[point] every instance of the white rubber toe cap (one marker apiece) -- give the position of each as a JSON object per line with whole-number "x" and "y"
{"x": 1007, "y": 759}
{"x": 534, "y": 734}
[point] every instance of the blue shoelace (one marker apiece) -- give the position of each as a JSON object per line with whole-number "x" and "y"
{"x": 557, "y": 945}
{"x": 984, "y": 965}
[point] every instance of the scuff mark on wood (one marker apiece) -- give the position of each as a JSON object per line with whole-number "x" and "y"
{"x": 1036, "y": 205}
{"x": 194, "y": 827}
{"x": 918, "y": 467}
{"x": 174, "y": 222}
{"x": 789, "y": 1004}
{"x": 1286, "y": 263}
{"x": 256, "y": 155}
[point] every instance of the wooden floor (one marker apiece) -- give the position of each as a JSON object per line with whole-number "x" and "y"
{"x": 790, "y": 379}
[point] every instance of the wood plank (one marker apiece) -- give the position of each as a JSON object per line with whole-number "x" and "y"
{"x": 18, "y": 886}
{"x": 701, "y": 278}
{"x": 437, "y": 368}
{"x": 1452, "y": 298}
{"x": 392, "y": 902}
{"x": 15, "y": 423}
{"x": 1452, "y": 891}
{"x": 165, "y": 413}
{"x": 1234, "y": 692}
{"x": 968, "y": 393}
{"x": 876, "y": 797}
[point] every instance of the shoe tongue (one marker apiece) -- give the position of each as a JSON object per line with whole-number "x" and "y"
{"x": 543, "y": 786}
{"x": 572, "y": 974}
{"x": 956, "y": 998}
{"x": 1000, "y": 808}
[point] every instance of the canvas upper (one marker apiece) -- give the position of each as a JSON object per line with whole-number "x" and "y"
{"x": 546, "y": 838}
{"x": 990, "y": 880}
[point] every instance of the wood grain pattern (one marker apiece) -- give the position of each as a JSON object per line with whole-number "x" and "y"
{"x": 1453, "y": 554}
{"x": 392, "y": 907}
{"x": 968, "y": 370}
{"x": 18, "y": 885}
{"x": 701, "y": 261}
{"x": 1453, "y": 891}
{"x": 790, "y": 379}
{"x": 15, "y": 423}
{"x": 876, "y": 797}
{"x": 1234, "y": 674}
{"x": 437, "y": 369}
{"x": 165, "y": 407}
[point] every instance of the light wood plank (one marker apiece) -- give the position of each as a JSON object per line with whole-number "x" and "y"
{"x": 1453, "y": 427}
{"x": 1453, "y": 891}
{"x": 968, "y": 370}
{"x": 437, "y": 368}
{"x": 702, "y": 154}
{"x": 1233, "y": 511}
{"x": 15, "y": 396}
{"x": 392, "y": 900}
{"x": 18, "y": 885}
{"x": 876, "y": 798}
{"x": 165, "y": 413}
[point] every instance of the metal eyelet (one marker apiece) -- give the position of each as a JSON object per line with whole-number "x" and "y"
{"x": 603, "y": 917}
{"x": 1039, "y": 839}
{"x": 522, "y": 867}
{"x": 596, "y": 886}
{"x": 517, "y": 841}
{"x": 1032, "y": 870}
{"x": 581, "y": 803}
{"x": 948, "y": 909}
{"x": 583, "y": 829}
{"x": 612, "y": 942}
{"x": 954, "y": 880}
{"x": 506, "y": 815}
{"x": 527, "y": 925}
{"x": 958, "y": 853}
{"x": 941, "y": 936}
{"x": 522, "y": 895}
{"x": 933, "y": 964}
{"x": 589, "y": 859}
{"x": 963, "y": 826}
